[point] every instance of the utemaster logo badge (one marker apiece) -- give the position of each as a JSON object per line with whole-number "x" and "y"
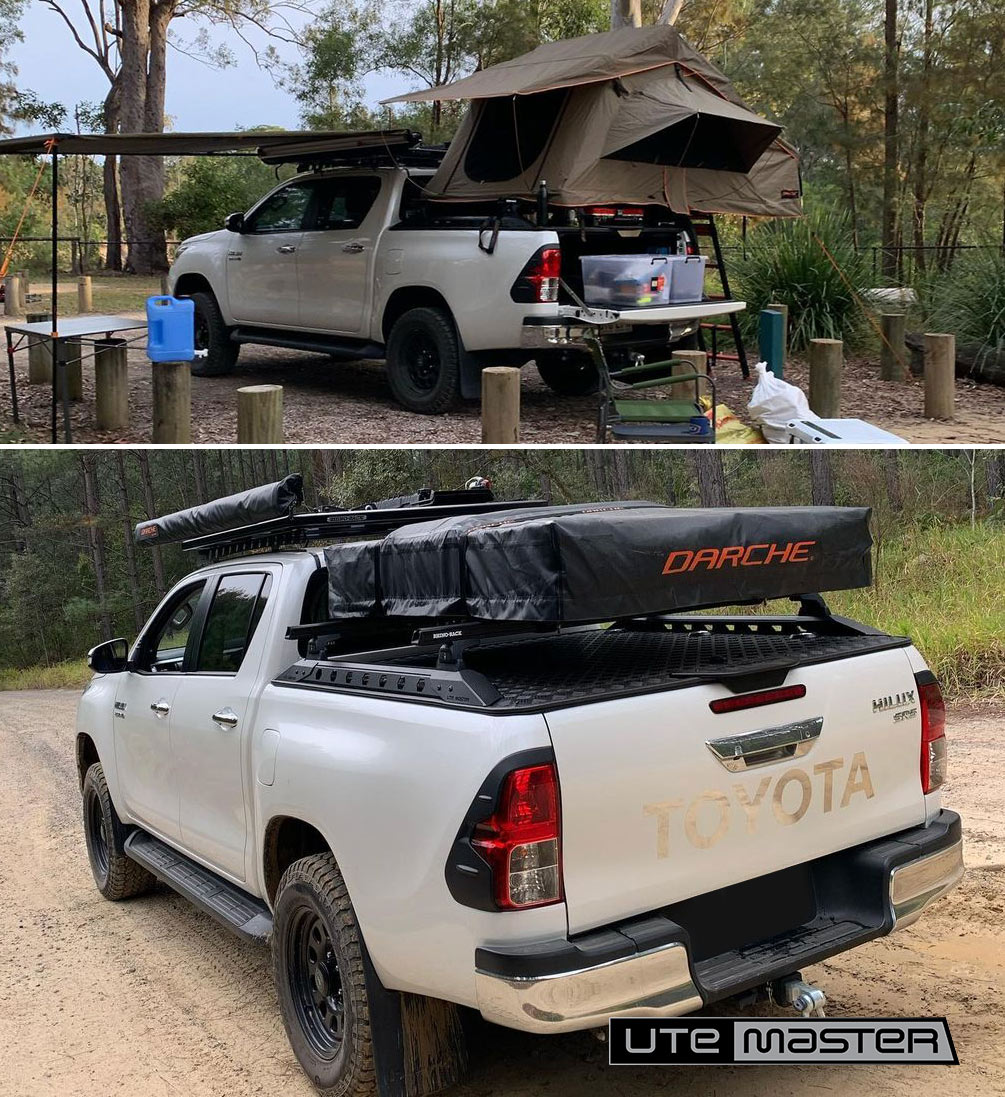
{"x": 750, "y": 1041}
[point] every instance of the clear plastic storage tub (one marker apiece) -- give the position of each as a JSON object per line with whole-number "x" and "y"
{"x": 626, "y": 281}
{"x": 687, "y": 278}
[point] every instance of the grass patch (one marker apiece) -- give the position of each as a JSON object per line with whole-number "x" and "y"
{"x": 73, "y": 674}
{"x": 111, "y": 293}
{"x": 941, "y": 586}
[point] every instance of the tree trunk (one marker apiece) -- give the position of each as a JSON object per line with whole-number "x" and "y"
{"x": 626, "y": 13}
{"x": 161, "y": 14}
{"x": 711, "y": 478}
{"x": 921, "y": 155}
{"x": 151, "y": 508}
{"x": 995, "y": 475}
{"x": 96, "y": 541}
{"x": 891, "y": 467}
{"x": 134, "y": 49}
{"x": 129, "y": 548}
{"x": 110, "y": 186}
{"x": 890, "y": 140}
{"x": 821, "y": 477}
{"x": 199, "y": 474}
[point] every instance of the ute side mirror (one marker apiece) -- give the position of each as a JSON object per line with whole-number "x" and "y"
{"x": 111, "y": 657}
{"x": 234, "y": 222}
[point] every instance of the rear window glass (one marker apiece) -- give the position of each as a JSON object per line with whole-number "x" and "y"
{"x": 233, "y": 617}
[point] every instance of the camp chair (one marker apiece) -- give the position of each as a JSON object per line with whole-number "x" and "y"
{"x": 671, "y": 420}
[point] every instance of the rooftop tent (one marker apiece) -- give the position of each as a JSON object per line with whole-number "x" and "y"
{"x": 633, "y": 115}
{"x": 598, "y": 561}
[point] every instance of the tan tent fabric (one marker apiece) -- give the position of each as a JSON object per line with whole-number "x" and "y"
{"x": 571, "y": 62}
{"x": 634, "y": 115}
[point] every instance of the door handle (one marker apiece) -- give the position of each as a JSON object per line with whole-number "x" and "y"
{"x": 162, "y": 708}
{"x": 353, "y": 246}
{"x": 286, "y": 249}
{"x": 758, "y": 748}
{"x": 226, "y": 718}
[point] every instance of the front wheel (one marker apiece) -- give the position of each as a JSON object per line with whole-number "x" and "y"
{"x": 116, "y": 875}
{"x": 212, "y": 335}
{"x": 568, "y": 373}
{"x": 424, "y": 361}
{"x": 317, "y": 959}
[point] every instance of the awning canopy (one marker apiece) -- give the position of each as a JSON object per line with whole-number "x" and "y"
{"x": 288, "y": 146}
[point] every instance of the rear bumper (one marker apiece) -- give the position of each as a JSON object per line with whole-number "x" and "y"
{"x": 657, "y": 966}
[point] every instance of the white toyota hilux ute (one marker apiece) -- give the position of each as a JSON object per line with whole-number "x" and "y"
{"x": 356, "y": 263}
{"x": 548, "y": 825}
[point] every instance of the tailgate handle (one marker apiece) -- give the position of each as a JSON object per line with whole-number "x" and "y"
{"x": 758, "y": 748}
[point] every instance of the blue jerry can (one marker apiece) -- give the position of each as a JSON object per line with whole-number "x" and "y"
{"x": 170, "y": 329}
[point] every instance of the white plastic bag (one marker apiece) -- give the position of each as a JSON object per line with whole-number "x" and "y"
{"x": 775, "y": 403}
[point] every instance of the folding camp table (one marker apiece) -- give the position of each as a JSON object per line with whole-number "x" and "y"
{"x": 840, "y": 432}
{"x": 84, "y": 328}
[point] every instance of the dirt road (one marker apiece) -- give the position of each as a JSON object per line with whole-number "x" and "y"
{"x": 150, "y": 997}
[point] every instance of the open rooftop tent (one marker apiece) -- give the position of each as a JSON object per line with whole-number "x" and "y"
{"x": 633, "y": 115}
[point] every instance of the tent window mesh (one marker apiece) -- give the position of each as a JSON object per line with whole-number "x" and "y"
{"x": 511, "y": 134}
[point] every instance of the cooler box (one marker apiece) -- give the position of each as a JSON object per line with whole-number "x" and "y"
{"x": 687, "y": 278}
{"x": 626, "y": 281}
{"x": 170, "y": 329}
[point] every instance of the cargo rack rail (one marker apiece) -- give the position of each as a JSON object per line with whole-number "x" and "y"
{"x": 375, "y": 519}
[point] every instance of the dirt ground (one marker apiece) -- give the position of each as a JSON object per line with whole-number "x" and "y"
{"x": 151, "y": 997}
{"x": 350, "y": 403}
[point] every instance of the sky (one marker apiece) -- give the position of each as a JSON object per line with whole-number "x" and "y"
{"x": 198, "y": 97}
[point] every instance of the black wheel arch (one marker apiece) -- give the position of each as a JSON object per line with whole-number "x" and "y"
{"x": 406, "y": 298}
{"x": 87, "y": 755}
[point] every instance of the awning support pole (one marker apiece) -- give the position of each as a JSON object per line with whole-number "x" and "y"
{"x": 58, "y": 374}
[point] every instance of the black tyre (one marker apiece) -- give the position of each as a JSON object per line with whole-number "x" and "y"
{"x": 116, "y": 875}
{"x": 212, "y": 334}
{"x": 317, "y": 961}
{"x": 424, "y": 361}
{"x": 568, "y": 372}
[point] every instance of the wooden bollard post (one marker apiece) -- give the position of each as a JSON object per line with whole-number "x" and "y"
{"x": 687, "y": 361}
{"x": 70, "y": 351}
{"x": 826, "y": 364}
{"x": 24, "y": 288}
{"x": 260, "y": 414}
{"x": 85, "y": 294}
{"x": 500, "y": 406}
{"x": 39, "y": 352}
{"x": 12, "y": 297}
{"x": 940, "y": 376}
{"x": 172, "y": 402}
{"x": 784, "y": 310}
{"x": 893, "y": 352}
{"x": 111, "y": 384}
{"x": 164, "y": 284}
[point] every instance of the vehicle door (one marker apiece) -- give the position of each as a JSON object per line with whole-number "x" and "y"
{"x": 211, "y": 719}
{"x": 143, "y": 704}
{"x": 335, "y": 257}
{"x": 262, "y": 258}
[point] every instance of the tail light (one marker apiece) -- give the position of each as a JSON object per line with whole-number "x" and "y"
{"x": 538, "y": 281}
{"x": 521, "y": 840}
{"x": 933, "y": 732}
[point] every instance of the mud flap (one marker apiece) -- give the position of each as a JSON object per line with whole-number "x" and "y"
{"x": 418, "y": 1043}
{"x": 471, "y": 374}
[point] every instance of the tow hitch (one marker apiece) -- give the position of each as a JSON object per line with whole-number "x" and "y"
{"x": 806, "y": 999}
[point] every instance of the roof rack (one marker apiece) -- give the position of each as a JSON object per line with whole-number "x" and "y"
{"x": 375, "y": 519}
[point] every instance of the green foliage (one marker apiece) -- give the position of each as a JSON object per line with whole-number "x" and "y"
{"x": 787, "y": 263}
{"x": 969, "y": 299}
{"x": 210, "y": 187}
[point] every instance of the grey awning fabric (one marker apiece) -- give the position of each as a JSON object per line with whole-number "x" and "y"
{"x": 275, "y": 147}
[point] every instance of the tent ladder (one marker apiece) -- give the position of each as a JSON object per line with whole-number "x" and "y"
{"x": 703, "y": 224}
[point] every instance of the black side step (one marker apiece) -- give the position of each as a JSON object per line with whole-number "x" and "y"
{"x": 245, "y": 915}
{"x": 351, "y": 349}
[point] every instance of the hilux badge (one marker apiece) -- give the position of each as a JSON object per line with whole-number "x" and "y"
{"x": 896, "y": 700}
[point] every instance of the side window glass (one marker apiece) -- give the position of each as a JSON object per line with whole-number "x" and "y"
{"x": 283, "y": 211}
{"x": 237, "y": 607}
{"x": 166, "y": 649}
{"x": 344, "y": 203}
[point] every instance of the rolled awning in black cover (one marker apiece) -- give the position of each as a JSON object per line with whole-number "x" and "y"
{"x": 255, "y": 505}
{"x": 598, "y": 561}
